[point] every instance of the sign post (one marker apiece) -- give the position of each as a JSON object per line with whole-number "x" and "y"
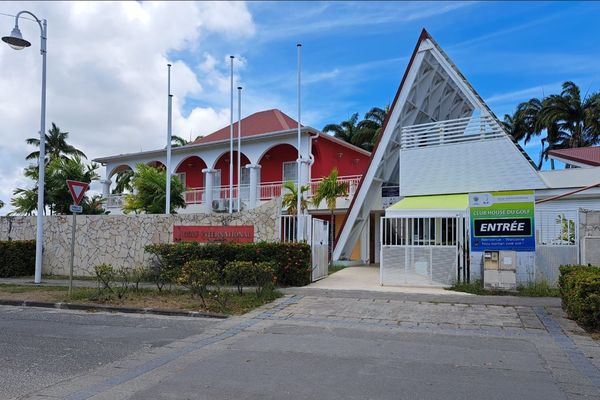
{"x": 77, "y": 190}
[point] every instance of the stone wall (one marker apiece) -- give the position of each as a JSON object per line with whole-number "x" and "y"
{"x": 120, "y": 239}
{"x": 589, "y": 236}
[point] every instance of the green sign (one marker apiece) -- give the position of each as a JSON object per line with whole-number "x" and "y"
{"x": 502, "y": 220}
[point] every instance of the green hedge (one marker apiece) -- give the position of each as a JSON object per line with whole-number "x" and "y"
{"x": 17, "y": 258}
{"x": 291, "y": 260}
{"x": 580, "y": 293}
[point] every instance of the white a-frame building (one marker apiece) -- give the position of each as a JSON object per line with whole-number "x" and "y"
{"x": 441, "y": 142}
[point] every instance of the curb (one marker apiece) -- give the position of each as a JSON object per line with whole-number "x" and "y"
{"x": 113, "y": 309}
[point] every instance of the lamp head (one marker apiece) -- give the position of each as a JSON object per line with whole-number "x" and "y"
{"x": 15, "y": 40}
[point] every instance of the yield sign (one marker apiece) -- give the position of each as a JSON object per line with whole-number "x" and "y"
{"x": 77, "y": 190}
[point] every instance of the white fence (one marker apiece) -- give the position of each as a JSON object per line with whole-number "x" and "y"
{"x": 557, "y": 236}
{"x": 423, "y": 251}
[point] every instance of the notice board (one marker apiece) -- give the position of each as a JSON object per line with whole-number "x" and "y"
{"x": 502, "y": 220}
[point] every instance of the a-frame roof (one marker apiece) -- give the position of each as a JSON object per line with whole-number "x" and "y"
{"x": 432, "y": 90}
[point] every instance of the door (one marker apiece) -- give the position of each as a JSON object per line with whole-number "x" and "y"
{"x": 320, "y": 248}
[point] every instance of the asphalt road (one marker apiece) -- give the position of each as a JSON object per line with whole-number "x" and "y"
{"x": 40, "y": 347}
{"x": 311, "y": 345}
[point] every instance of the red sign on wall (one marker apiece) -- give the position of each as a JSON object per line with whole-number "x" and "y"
{"x": 206, "y": 234}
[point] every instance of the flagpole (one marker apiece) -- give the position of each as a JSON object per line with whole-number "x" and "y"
{"x": 169, "y": 135}
{"x": 239, "y": 150}
{"x": 299, "y": 224}
{"x": 231, "y": 142}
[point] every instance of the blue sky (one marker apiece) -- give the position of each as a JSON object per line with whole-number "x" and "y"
{"x": 108, "y": 87}
{"x": 354, "y": 54}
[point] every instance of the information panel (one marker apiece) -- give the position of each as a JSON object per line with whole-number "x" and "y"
{"x": 502, "y": 221}
{"x": 205, "y": 234}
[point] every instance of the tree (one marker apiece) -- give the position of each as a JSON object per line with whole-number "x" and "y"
{"x": 567, "y": 119}
{"x": 24, "y": 201}
{"x": 363, "y": 133}
{"x": 59, "y": 170}
{"x": 178, "y": 141}
{"x": 57, "y": 196}
{"x": 370, "y": 127}
{"x": 345, "y": 130}
{"x": 289, "y": 200}
{"x": 94, "y": 205}
{"x": 150, "y": 190}
{"x": 329, "y": 190}
{"x": 56, "y": 145}
{"x": 123, "y": 182}
{"x": 1, "y": 204}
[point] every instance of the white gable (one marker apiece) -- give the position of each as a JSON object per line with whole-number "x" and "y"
{"x": 428, "y": 146}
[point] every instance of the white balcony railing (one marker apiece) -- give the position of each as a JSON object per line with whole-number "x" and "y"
{"x": 266, "y": 191}
{"x": 450, "y": 131}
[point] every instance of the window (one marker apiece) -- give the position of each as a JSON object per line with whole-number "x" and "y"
{"x": 245, "y": 176}
{"x": 217, "y": 178}
{"x": 290, "y": 171}
{"x": 181, "y": 177}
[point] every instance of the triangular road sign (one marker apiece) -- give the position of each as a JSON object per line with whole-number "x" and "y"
{"x": 77, "y": 190}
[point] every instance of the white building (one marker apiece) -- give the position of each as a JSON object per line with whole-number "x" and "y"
{"x": 440, "y": 143}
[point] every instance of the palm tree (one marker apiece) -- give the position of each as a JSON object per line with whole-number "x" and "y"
{"x": 59, "y": 170}
{"x": 150, "y": 191}
{"x": 289, "y": 199}
{"x": 56, "y": 145}
{"x": 568, "y": 120}
{"x": 178, "y": 141}
{"x": 94, "y": 205}
{"x": 329, "y": 190}
{"x": 525, "y": 123}
{"x": 346, "y": 130}
{"x": 577, "y": 120}
{"x": 24, "y": 201}
{"x": 123, "y": 182}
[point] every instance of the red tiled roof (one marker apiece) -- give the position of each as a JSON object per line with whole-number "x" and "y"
{"x": 256, "y": 124}
{"x": 584, "y": 155}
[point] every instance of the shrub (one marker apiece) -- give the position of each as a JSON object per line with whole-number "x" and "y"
{"x": 580, "y": 293}
{"x": 198, "y": 275}
{"x": 112, "y": 281}
{"x": 239, "y": 274}
{"x": 136, "y": 275}
{"x": 263, "y": 274}
{"x": 105, "y": 276}
{"x": 17, "y": 258}
{"x": 291, "y": 261}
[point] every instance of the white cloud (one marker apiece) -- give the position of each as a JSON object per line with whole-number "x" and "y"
{"x": 107, "y": 75}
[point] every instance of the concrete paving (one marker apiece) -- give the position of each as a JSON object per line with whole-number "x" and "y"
{"x": 366, "y": 278}
{"x": 319, "y": 345}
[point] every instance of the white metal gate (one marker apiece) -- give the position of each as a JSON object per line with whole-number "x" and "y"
{"x": 424, "y": 251}
{"x": 557, "y": 236}
{"x": 316, "y": 234}
{"x": 320, "y": 249}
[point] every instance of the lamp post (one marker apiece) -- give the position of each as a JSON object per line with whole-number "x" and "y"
{"x": 16, "y": 41}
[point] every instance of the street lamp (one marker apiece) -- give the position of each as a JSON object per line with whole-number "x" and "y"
{"x": 16, "y": 41}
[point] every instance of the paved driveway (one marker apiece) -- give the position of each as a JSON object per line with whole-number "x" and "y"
{"x": 316, "y": 344}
